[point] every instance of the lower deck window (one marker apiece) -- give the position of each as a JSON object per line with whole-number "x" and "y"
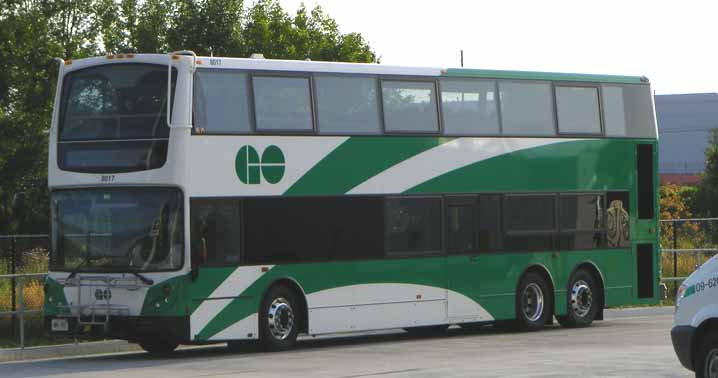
{"x": 271, "y": 230}
{"x": 312, "y": 229}
{"x": 216, "y": 231}
{"x": 413, "y": 225}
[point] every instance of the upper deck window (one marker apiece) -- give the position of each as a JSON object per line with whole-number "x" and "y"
{"x": 410, "y": 106}
{"x": 469, "y": 107}
{"x": 613, "y": 113}
{"x": 347, "y": 104}
{"x": 526, "y": 108}
{"x": 282, "y": 103}
{"x": 577, "y": 110}
{"x": 221, "y": 102}
{"x": 115, "y": 101}
{"x": 638, "y": 107}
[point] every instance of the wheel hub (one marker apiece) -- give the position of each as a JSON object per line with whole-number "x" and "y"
{"x": 581, "y": 298}
{"x": 281, "y": 318}
{"x": 532, "y": 302}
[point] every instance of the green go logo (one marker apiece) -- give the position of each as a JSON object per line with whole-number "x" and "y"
{"x": 250, "y": 168}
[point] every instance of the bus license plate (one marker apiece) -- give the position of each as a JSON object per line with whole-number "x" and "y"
{"x": 59, "y": 325}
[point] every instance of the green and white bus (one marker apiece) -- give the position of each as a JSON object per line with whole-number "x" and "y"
{"x": 204, "y": 199}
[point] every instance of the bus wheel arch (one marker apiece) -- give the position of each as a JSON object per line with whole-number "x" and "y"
{"x": 543, "y": 272}
{"x": 293, "y": 285}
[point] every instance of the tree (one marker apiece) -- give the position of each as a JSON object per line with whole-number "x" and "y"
{"x": 706, "y": 198}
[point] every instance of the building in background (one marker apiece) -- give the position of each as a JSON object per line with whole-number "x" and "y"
{"x": 684, "y": 121}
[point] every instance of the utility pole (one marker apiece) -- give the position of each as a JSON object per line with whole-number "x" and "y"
{"x": 462, "y": 58}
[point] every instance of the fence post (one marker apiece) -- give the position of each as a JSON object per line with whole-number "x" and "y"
{"x": 13, "y": 270}
{"x": 675, "y": 258}
{"x": 22, "y": 313}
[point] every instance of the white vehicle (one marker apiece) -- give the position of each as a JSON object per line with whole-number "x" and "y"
{"x": 695, "y": 326}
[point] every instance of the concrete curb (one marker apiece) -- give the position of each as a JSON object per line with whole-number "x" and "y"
{"x": 67, "y": 350}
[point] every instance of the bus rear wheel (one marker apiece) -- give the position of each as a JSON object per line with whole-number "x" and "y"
{"x": 279, "y": 319}
{"x": 533, "y": 302}
{"x": 584, "y": 298}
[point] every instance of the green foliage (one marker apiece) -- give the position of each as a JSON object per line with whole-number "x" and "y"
{"x": 32, "y": 32}
{"x": 706, "y": 197}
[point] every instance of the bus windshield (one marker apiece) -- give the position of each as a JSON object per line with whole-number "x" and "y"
{"x": 117, "y": 230}
{"x": 115, "y": 101}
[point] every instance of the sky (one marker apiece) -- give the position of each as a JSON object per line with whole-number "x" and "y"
{"x": 673, "y": 43}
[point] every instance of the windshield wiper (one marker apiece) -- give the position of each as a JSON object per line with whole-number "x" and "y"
{"x": 142, "y": 278}
{"x": 87, "y": 259}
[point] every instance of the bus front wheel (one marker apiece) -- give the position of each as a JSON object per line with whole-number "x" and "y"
{"x": 584, "y": 298}
{"x": 279, "y": 319}
{"x": 533, "y": 302}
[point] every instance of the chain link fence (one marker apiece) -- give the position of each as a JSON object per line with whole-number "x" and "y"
{"x": 23, "y": 264}
{"x": 685, "y": 245}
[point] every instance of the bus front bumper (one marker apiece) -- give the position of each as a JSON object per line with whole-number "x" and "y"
{"x": 130, "y": 328}
{"x": 682, "y": 337}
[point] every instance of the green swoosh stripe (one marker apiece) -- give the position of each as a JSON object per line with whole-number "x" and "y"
{"x": 600, "y": 165}
{"x": 358, "y": 159}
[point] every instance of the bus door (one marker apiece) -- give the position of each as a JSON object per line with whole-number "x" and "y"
{"x": 463, "y": 273}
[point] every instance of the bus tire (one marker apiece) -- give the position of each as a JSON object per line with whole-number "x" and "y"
{"x": 583, "y": 300}
{"x": 706, "y": 354}
{"x": 279, "y": 319}
{"x": 158, "y": 347}
{"x": 533, "y": 302}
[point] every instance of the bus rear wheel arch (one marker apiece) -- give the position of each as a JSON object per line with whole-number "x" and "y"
{"x": 584, "y": 298}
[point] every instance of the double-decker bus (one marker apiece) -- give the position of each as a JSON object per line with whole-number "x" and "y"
{"x": 203, "y": 199}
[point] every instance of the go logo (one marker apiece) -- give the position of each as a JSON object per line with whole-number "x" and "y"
{"x": 250, "y": 168}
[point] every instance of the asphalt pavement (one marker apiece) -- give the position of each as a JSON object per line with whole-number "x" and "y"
{"x": 629, "y": 343}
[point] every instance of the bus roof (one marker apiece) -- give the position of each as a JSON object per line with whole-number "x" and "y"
{"x": 366, "y": 68}
{"x": 537, "y": 75}
{"x": 371, "y": 68}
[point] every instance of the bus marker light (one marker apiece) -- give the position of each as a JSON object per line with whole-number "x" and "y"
{"x": 129, "y": 55}
{"x": 199, "y": 62}
{"x": 418, "y": 296}
{"x": 68, "y": 62}
{"x": 265, "y": 269}
{"x": 167, "y": 289}
{"x": 110, "y": 56}
{"x": 119, "y": 56}
{"x": 175, "y": 57}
